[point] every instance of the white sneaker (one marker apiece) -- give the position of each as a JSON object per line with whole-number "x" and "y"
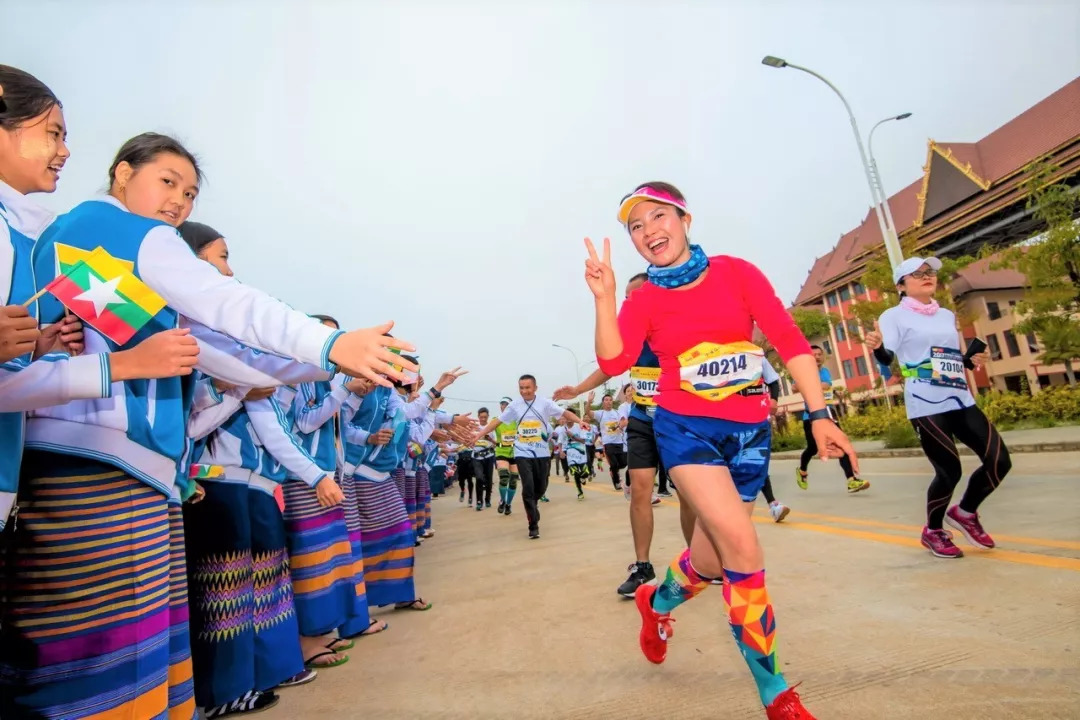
{"x": 655, "y": 499}
{"x": 626, "y": 492}
{"x": 779, "y": 511}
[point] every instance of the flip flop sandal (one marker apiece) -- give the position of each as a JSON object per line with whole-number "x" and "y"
{"x": 383, "y": 626}
{"x": 367, "y": 632}
{"x": 301, "y": 678}
{"x": 418, "y": 605}
{"x": 312, "y": 665}
{"x": 338, "y": 644}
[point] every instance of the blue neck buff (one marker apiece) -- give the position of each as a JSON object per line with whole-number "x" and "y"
{"x": 676, "y": 276}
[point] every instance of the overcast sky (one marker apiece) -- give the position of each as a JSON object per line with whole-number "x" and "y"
{"x": 438, "y": 163}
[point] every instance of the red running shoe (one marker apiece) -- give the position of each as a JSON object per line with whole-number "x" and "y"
{"x": 788, "y": 706}
{"x": 940, "y": 544}
{"x": 655, "y": 627}
{"x": 970, "y": 527}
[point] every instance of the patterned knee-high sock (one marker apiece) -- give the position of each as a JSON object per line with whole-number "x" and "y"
{"x": 754, "y": 627}
{"x": 680, "y": 584}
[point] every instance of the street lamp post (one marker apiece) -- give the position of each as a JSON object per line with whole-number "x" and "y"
{"x": 892, "y": 245}
{"x": 577, "y": 369}
{"x": 890, "y": 224}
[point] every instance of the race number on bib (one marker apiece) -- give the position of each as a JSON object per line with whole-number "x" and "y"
{"x": 509, "y": 439}
{"x": 947, "y": 368}
{"x": 645, "y": 381}
{"x": 715, "y": 372}
{"x": 531, "y": 432}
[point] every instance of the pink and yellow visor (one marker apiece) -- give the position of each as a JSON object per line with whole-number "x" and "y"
{"x": 647, "y": 194}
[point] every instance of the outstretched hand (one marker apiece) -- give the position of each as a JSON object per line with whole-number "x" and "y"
{"x": 447, "y": 378}
{"x": 566, "y": 392}
{"x": 598, "y": 273}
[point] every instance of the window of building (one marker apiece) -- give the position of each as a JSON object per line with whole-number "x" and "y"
{"x": 841, "y": 336}
{"x": 853, "y": 328}
{"x": 1011, "y": 344}
{"x": 1032, "y": 343}
{"x": 1012, "y": 303}
{"x": 831, "y": 299}
{"x": 860, "y": 365}
{"x": 827, "y": 347}
{"x": 993, "y": 311}
{"x": 859, "y": 289}
{"x": 845, "y": 293}
{"x": 849, "y": 371}
{"x": 995, "y": 349}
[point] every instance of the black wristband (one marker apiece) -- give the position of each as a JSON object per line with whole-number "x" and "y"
{"x": 435, "y": 393}
{"x": 822, "y": 414}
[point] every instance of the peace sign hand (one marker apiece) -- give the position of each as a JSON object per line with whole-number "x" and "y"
{"x": 598, "y": 273}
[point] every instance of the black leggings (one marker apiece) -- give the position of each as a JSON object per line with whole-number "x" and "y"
{"x": 465, "y": 474}
{"x": 969, "y": 426}
{"x": 590, "y": 456}
{"x": 484, "y": 470}
{"x": 579, "y": 473}
{"x": 767, "y": 491}
{"x": 811, "y": 451}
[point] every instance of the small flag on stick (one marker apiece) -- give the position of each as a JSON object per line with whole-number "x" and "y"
{"x": 105, "y": 293}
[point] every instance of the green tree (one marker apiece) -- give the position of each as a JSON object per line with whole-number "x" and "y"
{"x": 813, "y": 323}
{"x": 1051, "y": 265}
{"x": 1060, "y": 337}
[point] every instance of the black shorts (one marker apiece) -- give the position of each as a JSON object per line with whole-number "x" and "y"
{"x": 642, "y": 454}
{"x": 615, "y": 455}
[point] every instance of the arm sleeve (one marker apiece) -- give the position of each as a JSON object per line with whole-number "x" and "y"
{"x": 203, "y": 422}
{"x": 510, "y": 415}
{"x": 891, "y": 336}
{"x": 351, "y": 432}
{"x": 205, "y": 395}
{"x": 311, "y": 415}
{"x": 883, "y": 356}
{"x": 53, "y": 379}
{"x": 225, "y": 359}
{"x": 443, "y": 418}
{"x": 269, "y": 422}
{"x": 774, "y": 389}
{"x": 413, "y": 410}
{"x": 768, "y": 312}
{"x": 633, "y": 325}
{"x": 195, "y": 289}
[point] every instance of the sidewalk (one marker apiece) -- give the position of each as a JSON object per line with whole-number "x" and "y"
{"x": 1055, "y": 439}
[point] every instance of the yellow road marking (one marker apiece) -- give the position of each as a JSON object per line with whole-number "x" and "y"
{"x": 1013, "y": 556}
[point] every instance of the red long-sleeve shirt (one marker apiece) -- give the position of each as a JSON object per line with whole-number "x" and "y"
{"x": 722, "y": 309}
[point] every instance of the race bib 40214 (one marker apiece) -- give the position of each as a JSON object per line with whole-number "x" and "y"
{"x": 715, "y": 372}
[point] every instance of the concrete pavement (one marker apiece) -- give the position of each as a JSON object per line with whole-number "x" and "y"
{"x": 1056, "y": 439}
{"x": 873, "y": 626}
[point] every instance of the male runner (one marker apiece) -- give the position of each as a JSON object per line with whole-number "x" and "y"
{"x": 531, "y": 449}
{"x": 483, "y": 460}
{"x": 854, "y": 482}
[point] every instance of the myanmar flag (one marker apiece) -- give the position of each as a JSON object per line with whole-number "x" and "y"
{"x": 105, "y": 293}
{"x": 199, "y": 472}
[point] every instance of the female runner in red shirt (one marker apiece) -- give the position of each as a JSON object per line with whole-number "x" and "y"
{"x": 698, "y": 314}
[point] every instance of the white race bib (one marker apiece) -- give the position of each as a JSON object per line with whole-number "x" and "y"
{"x": 947, "y": 368}
{"x": 530, "y": 432}
{"x": 645, "y": 381}
{"x": 715, "y": 372}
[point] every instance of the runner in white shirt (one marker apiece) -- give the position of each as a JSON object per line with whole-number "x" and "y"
{"x": 532, "y": 451}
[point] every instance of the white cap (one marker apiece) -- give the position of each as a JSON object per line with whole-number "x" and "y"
{"x": 911, "y": 265}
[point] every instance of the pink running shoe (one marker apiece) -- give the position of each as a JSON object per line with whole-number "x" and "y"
{"x": 969, "y": 526}
{"x": 940, "y": 544}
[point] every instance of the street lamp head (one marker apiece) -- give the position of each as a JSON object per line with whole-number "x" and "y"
{"x": 902, "y": 116}
{"x": 773, "y": 62}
